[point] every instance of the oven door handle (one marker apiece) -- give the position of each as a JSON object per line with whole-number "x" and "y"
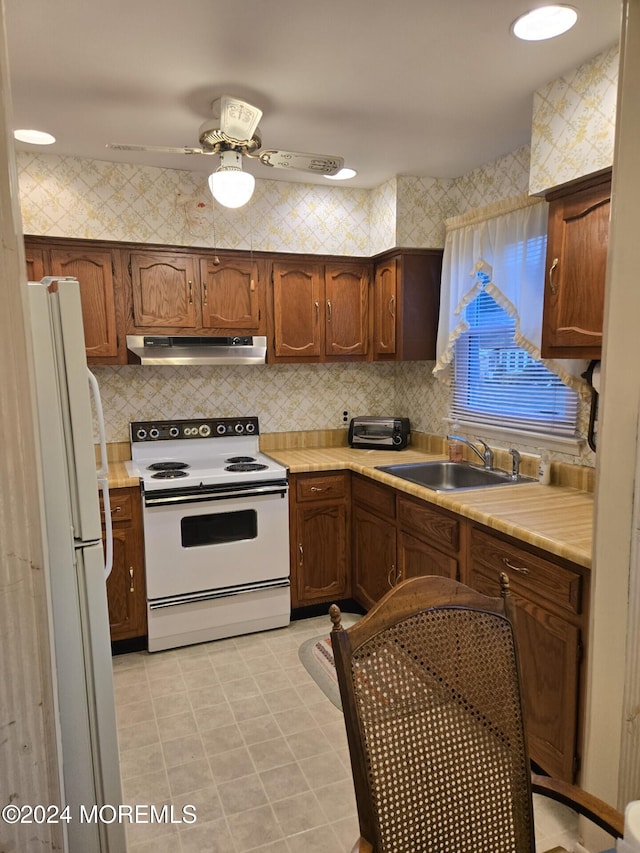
{"x": 168, "y": 499}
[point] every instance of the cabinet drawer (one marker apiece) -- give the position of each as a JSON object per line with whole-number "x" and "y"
{"x": 121, "y": 506}
{"x": 321, "y": 488}
{"x": 530, "y": 575}
{"x": 377, "y": 498}
{"x": 420, "y": 519}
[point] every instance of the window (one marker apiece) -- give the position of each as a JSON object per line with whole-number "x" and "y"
{"x": 497, "y": 382}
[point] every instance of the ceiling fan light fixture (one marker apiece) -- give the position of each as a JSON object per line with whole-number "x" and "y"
{"x": 545, "y": 22}
{"x": 342, "y": 175}
{"x": 229, "y": 185}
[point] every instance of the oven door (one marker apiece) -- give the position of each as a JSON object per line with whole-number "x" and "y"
{"x": 215, "y": 540}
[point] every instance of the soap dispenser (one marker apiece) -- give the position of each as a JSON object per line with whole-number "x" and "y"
{"x": 456, "y": 449}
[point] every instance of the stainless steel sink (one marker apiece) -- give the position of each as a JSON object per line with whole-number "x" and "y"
{"x": 452, "y": 476}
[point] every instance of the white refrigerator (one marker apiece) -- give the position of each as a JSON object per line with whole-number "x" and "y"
{"x": 67, "y": 399}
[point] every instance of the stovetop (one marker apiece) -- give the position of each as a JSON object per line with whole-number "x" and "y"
{"x": 192, "y": 453}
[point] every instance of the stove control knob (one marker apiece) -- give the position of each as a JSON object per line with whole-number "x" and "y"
{"x": 174, "y": 431}
{"x": 141, "y": 434}
{"x": 239, "y": 428}
{"x": 250, "y": 427}
{"x": 204, "y": 430}
{"x": 221, "y": 429}
{"x": 154, "y": 432}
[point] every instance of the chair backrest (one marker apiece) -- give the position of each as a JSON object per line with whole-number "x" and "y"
{"x": 429, "y": 683}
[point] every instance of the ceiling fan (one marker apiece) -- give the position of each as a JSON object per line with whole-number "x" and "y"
{"x": 232, "y": 133}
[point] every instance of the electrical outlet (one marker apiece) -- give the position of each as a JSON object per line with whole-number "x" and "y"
{"x": 345, "y": 418}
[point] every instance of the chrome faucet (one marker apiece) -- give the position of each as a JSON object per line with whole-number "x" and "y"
{"x": 515, "y": 463}
{"x": 486, "y": 456}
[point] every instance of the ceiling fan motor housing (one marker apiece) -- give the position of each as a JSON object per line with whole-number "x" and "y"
{"x": 213, "y": 140}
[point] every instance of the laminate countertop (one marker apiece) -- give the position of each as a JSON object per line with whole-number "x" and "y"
{"x": 558, "y": 519}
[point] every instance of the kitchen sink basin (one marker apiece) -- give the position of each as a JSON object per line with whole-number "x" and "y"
{"x": 452, "y": 476}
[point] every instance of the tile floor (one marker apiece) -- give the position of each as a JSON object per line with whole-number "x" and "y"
{"x": 239, "y": 729}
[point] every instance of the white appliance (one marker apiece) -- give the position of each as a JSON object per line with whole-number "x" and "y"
{"x": 76, "y": 563}
{"x": 216, "y": 530}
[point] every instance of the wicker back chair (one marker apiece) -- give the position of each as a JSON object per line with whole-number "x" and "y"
{"x": 429, "y": 682}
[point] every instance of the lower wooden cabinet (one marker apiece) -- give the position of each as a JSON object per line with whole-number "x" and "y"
{"x": 320, "y": 548}
{"x": 375, "y": 555}
{"x": 550, "y": 602}
{"x": 126, "y": 592}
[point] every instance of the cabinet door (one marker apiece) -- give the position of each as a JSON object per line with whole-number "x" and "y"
{"x": 95, "y": 272}
{"x": 34, "y": 258}
{"x": 164, "y": 291}
{"x": 576, "y": 269}
{"x": 230, "y": 295}
{"x": 374, "y": 556}
{"x": 385, "y": 299}
{"x": 126, "y": 589}
{"x": 322, "y": 556}
{"x": 416, "y": 558}
{"x": 346, "y": 310}
{"x": 297, "y": 310}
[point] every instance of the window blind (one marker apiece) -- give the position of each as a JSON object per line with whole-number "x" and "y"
{"x": 499, "y": 383}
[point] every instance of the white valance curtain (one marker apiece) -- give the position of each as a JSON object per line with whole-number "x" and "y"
{"x": 499, "y": 249}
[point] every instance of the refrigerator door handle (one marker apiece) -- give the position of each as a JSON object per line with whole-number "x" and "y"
{"x": 97, "y": 402}
{"x": 108, "y": 562}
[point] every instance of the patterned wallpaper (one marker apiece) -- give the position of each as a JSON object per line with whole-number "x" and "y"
{"x": 573, "y": 123}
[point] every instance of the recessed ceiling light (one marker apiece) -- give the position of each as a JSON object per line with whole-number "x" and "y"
{"x": 35, "y": 137}
{"x": 342, "y": 175}
{"x": 546, "y": 22}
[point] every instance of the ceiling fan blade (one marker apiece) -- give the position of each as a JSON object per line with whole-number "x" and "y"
{"x": 157, "y": 148}
{"x": 321, "y": 164}
{"x": 238, "y": 119}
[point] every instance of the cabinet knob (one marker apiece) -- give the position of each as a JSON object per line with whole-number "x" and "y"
{"x": 552, "y": 268}
{"x": 329, "y": 309}
{"x": 190, "y": 293}
{"x": 301, "y": 550}
{"x": 204, "y": 292}
{"x": 131, "y": 586}
{"x": 116, "y": 509}
{"x": 317, "y": 307}
{"x": 392, "y": 306}
{"x": 391, "y": 577}
{"x": 316, "y": 489}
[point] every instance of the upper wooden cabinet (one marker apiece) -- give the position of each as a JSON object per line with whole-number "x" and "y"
{"x": 98, "y": 273}
{"x": 320, "y": 312}
{"x": 187, "y": 293}
{"x": 405, "y": 305}
{"x": 163, "y": 288}
{"x": 231, "y": 297}
{"x": 577, "y": 244}
{"x": 312, "y": 309}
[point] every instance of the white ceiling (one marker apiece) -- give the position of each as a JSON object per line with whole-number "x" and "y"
{"x": 411, "y": 87}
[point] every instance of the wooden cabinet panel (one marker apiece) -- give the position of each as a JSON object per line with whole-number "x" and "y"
{"x": 230, "y": 294}
{"x": 35, "y": 263}
{"x": 429, "y": 523}
{"x": 126, "y": 589}
{"x": 406, "y": 305}
{"x": 164, "y": 290}
{"x": 95, "y": 273}
{"x": 416, "y": 558}
{"x": 320, "y": 545}
{"x": 385, "y": 307}
{"x": 549, "y": 604}
{"x": 374, "y": 556}
{"x": 297, "y": 297}
{"x": 347, "y": 310}
{"x": 379, "y": 498}
{"x": 577, "y": 245}
{"x": 534, "y": 575}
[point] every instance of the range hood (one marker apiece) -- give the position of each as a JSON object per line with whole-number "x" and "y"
{"x": 189, "y": 349}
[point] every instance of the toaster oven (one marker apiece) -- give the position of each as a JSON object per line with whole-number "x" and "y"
{"x": 382, "y": 433}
